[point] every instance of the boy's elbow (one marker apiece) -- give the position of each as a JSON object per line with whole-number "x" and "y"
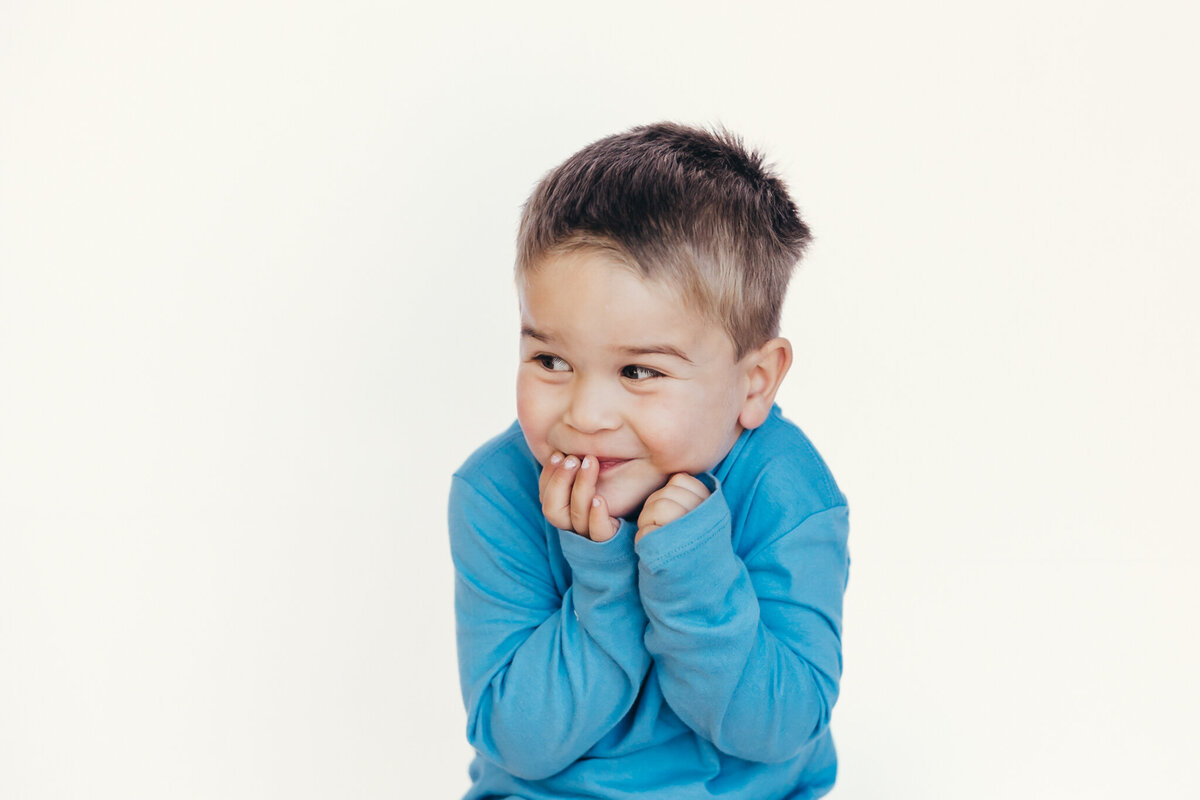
{"x": 529, "y": 766}
{"x": 769, "y": 749}
{"x": 775, "y": 744}
{"x": 785, "y": 731}
{"x": 519, "y": 752}
{"x": 774, "y": 737}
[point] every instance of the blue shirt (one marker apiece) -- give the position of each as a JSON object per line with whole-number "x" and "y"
{"x": 701, "y": 662}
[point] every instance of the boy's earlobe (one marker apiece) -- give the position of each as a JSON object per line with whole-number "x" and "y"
{"x": 766, "y": 367}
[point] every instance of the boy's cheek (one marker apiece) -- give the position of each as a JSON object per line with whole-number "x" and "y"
{"x": 540, "y": 451}
{"x": 533, "y": 416}
{"x": 534, "y": 435}
{"x": 536, "y": 441}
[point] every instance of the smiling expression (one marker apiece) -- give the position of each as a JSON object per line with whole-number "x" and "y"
{"x": 616, "y": 366}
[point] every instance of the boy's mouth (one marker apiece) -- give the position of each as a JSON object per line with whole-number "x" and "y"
{"x": 609, "y": 464}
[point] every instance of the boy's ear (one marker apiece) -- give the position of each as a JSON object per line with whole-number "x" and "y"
{"x": 765, "y": 368}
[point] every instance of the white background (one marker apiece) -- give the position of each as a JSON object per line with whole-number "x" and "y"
{"x": 256, "y": 305}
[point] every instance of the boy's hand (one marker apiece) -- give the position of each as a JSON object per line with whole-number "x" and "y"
{"x": 681, "y": 494}
{"x": 567, "y": 488}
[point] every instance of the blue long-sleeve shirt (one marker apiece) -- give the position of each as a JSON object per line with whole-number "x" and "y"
{"x": 701, "y": 662}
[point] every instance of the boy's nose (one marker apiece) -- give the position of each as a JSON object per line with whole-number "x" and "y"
{"x": 591, "y": 408}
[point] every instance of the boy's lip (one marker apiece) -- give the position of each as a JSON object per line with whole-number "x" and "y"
{"x": 606, "y": 464}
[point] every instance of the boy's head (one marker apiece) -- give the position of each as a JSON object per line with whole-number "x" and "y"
{"x": 691, "y": 209}
{"x": 651, "y": 269}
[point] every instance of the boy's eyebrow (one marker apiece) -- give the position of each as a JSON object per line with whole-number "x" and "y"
{"x": 640, "y": 350}
{"x": 533, "y": 334}
{"x": 660, "y": 349}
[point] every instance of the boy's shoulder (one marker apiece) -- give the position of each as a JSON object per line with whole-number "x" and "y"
{"x": 503, "y": 467}
{"x": 497, "y": 530}
{"x": 775, "y": 470}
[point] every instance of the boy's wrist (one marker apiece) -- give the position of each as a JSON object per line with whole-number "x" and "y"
{"x": 687, "y": 533}
{"x": 580, "y": 550}
{"x": 675, "y": 500}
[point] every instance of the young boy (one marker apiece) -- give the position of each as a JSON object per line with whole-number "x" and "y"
{"x": 650, "y": 562}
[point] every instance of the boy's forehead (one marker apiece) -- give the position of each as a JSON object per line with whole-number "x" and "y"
{"x": 580, "y": 281}
{"x": 612, "y": 305}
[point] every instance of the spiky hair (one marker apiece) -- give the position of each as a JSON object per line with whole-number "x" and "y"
{"x": 690, "y": 207}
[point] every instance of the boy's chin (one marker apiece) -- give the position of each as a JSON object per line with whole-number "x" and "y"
{"x": 621, "y": 505}
{"x": 627, "y": 506}
{"x": 632, "y": 514}
{"x": 626, "y": 494}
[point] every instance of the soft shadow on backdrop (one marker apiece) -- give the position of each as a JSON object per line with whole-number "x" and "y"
{"x": 255, "y": 306}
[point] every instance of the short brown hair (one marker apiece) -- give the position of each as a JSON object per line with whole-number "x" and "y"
{"x": 691, "y": 207}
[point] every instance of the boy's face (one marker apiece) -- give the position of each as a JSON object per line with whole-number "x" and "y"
{"x": 615, "y": 367}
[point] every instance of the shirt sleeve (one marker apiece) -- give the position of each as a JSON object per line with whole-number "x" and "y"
{"x": 545, "y": 675}
{"x": 748, "y": 652}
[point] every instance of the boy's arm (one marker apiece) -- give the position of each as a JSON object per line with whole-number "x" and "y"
{"x": 544, "y": 676}
{"x": 749, "y": 653}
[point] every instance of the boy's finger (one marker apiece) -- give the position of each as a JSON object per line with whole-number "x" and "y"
{"x": 689, "y": 483}
{"x": 556, "y": 497}
{"x": 677, "y": 494}
{"x": 582, "y": 493}
{"x": 661, "y": 512}
{"x": 601, "y": 526}
{"x": 642, "y": 531}
{"x": 551, "y": 466}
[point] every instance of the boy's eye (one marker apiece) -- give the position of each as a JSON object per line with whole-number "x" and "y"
{"x": 638, "y": 373}
{"x": 552, "y": 363}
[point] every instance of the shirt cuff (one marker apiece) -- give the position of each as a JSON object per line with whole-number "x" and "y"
{"x": 693, "y": 530}
{"x": 580, "y": 550}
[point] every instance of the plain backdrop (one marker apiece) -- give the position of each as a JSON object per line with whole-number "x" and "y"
{"x": 256, "y": 305}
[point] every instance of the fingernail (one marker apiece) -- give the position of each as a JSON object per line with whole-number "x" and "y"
{"x": 557, "y": 457}
{"x": 585, "y": 463}
{"x": 571, "y": 462}
{"x": 595, "y": 502}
